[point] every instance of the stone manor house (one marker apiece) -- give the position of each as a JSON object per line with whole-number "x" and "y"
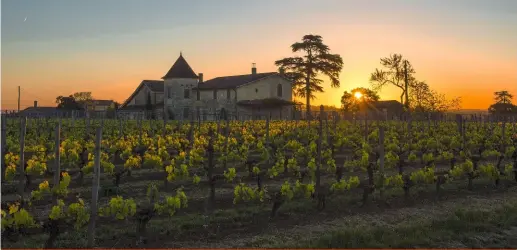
{"x": 183, "y": 94}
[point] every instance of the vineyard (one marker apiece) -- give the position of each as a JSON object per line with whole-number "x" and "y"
{"x": 142, "y": 183}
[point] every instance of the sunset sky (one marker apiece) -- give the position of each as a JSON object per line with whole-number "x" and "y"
{"x": 464, "y": 48}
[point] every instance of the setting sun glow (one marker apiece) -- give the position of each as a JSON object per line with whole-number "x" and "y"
{"x": 358, "y": 95}
{"x": 457, "y": 47}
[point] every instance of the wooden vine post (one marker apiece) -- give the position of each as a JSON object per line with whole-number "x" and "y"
{"x": 198, "y": 117}
{"x": 267, "y": 129}
{"x": 459, "y": 122}
{"x": 164, "y": 132}
{"x": 21, "y": 185}
{"x": 319, "y": 161}
{"x": 365, "y": 122}
{"x": 210, "y": 170}
{"x": 503, "y": 135}
{"x": 95, "y": 188}
{"x": 87, "y": 121}
{"x": 429, "y": 122}
{"x": 57, "y": 162}
{"x": 53, "y": 225}
{"x": 218, "y": 117}
{"x": 268, "y": 144}
{"x": 227, "y": 135}
{"x": 3, "y": 146}
{"x": 73, "y": 118}
{"x": 463, "y": 131}
{"x": 503, "y": 151}
{"x": 120, "y": 128}
{"x": 409, "y": 129}
{"x": 381, "y": 160}
{"x": 190, "y": 137}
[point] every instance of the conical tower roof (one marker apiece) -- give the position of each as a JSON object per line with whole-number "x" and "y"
{"x": 180, "y": 69}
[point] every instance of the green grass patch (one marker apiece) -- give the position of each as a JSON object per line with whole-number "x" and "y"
{"x": 463, "y": 227}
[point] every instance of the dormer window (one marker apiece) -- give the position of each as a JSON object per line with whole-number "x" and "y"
{"x": 186, "y": 93}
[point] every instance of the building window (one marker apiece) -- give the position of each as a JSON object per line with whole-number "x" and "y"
{"x": 169, "y": 92}
{"x": 198, "y": 95}
{"x": 170, "y": 113}
{"x": 228, "y": 94}
{"x": 186, "y": 93}
{"x": 256, "y": 90}
{"x": 215, "y": 94}
{"x": 279, "y": 90}
{"x": 186, "y": 112}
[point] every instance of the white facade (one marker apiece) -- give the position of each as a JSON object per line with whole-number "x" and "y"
{"x": 182, "y": 98}
{"x": 274, "y": 86}
{"x": 266, "y": 88}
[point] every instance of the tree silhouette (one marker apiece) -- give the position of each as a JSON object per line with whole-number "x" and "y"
{"x": 75, "y": 101}
{"x": 82, "y": 96}
{"x": 350, "y": 103}
{"x": 503, "y": 97}
{"x": 420, "y": 96}
{"x": 424, "y": 99}
{"x": 502, "y": 109}
{"x": 303, "y": 71}
{"x": 67, "y": 102}
{"x": 503, "y": 103}
{"x": 393, "y": 74}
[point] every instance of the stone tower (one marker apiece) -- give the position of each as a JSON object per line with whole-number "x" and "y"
{"x": 178, "y": 95}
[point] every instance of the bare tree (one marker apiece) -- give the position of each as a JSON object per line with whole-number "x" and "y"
{"x": 424, "y": 99}
{"x": 395, "y": 71}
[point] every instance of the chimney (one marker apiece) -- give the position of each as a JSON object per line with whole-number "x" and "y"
{"x": 200, "y": 77}
{"x": 281, "y": 70}
{"x": 253, "y": 69}
{"x": 35, "y": 104}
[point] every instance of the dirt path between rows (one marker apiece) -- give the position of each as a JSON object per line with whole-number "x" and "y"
{"x": 387, "y": 218}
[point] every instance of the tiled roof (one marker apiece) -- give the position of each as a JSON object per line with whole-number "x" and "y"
{"x": 142, "y": 107}
{"x": 154, "y": 85}
{"x": 386, "y": 104}
{"x": 226, "y": 82}
{"x": 266, "y": 102}
{"x": 41, "y": 110}
{"x": 180, "y": 69}
{"x": 102, "y": 102}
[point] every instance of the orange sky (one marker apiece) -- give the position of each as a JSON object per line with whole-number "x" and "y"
{"x": 456, "y": 59}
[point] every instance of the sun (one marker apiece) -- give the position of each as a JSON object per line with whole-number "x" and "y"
{"x": 358, "y": 95}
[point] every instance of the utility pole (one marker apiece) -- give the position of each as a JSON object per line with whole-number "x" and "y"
{"x": 19, "y": 91}
{"x": 406, "y": 82}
